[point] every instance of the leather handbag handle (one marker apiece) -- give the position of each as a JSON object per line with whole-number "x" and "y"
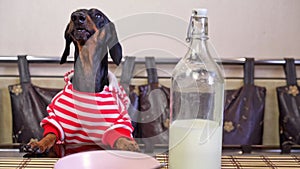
{"x": 249, "y": 71}
{"x": 290, "y": 71}
{"x": 23, "y": 69}
{"x": 151, "y": 70}
{"x": 127, "y": 72}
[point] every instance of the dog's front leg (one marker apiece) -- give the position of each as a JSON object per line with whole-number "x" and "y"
{"x": 45, "y": 143}
{"x": 123, "y": 143}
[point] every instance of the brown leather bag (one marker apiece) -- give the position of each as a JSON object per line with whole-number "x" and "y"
{"x": 28, "y": 103}
{"x": 244, "y": 111}
{"x": 154, "y": 109}
{"x": 289, "y": 106}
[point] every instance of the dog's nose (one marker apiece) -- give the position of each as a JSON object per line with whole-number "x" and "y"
{"x": 78, "y": 17}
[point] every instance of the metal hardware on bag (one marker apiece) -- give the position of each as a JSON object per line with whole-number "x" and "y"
{"x": 293, "y": 90}
{"x": 228, "y": 126}
{"x": 17, "y": 89}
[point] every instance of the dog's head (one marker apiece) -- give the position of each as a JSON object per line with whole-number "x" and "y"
{"x": 83, "y": 25}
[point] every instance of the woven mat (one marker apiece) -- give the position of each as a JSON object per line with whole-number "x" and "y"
{"x": 252, "y": 161}
{"x": 28, "y": 163}
{"x": 228, "y": 162}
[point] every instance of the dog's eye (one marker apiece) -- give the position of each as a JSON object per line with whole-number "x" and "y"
{"x": 97, "y": 16}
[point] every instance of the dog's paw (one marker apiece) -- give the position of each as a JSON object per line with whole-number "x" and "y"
{"x": 126, "y": 144}
{"x": 44, "y": 144}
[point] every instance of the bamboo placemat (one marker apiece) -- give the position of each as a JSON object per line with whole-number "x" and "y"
{"x": 262, "y": 161}
{"x": 251, "y": 161}
{"x": 228, "y": 162}
{"x": 27, "y": 163}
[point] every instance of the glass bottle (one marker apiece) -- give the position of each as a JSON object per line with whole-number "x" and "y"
{"x": 197, "y": 93}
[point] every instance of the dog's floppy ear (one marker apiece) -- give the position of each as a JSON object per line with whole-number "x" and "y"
{"x": 115, "y": 48}
{"x": 68, "y": 40}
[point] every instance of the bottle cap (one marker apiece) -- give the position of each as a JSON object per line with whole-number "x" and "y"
{"x": 202, "y": 12}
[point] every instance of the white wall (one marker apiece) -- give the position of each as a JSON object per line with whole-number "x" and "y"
{"x": 238, "y": 28}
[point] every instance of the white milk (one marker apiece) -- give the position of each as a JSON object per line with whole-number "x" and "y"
{"x": 195, "y": 144}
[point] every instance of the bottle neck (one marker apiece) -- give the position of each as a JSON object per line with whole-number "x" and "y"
{"x": 198, "y": 28}
{"x": 198, "y": 37}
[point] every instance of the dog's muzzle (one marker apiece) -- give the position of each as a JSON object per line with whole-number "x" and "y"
{"x": 80, "y": 31}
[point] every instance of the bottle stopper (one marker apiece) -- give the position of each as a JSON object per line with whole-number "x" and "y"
{"x": 201, "y": 12}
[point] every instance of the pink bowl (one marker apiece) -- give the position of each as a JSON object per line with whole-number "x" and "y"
{"x": 111, "y": 159}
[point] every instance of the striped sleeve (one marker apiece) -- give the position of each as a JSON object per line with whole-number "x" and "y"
{"x": 122, "y": 126}
{"x": 50, "y": 123}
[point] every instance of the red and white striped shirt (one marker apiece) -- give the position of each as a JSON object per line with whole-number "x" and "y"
{"x": 80, "y": 117}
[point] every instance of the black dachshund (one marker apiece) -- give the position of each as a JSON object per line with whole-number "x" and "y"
{"x": 94, "y": 36}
